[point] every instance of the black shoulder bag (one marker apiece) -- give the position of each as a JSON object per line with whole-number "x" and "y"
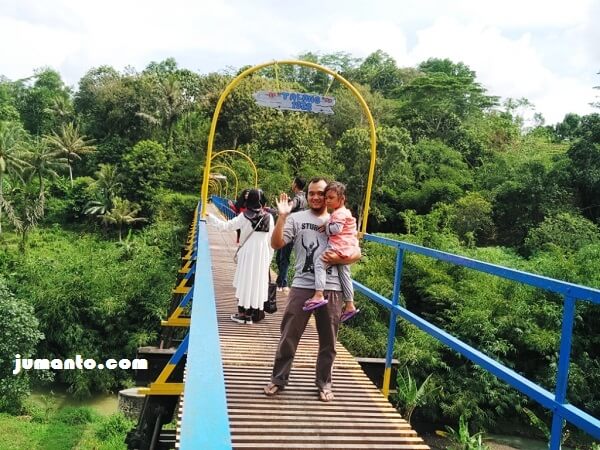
{"x": 270, "y": 305}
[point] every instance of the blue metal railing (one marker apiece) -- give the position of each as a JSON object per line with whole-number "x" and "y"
{"x": 223, "y": 205}
{"x": 556, "y": 401}
{"x": 205, "y": 423}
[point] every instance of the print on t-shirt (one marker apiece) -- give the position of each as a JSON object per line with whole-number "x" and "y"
{"x": 309, "y": 262}
{"x": 302, "y": 228}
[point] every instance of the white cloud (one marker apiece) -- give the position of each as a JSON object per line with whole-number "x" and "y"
{"x": 507, "y": 67}
{"x": 27, "y": 46}
{"x": 528, "y": 14}
{"x": 544, "y": 50}
{"x": 363, "y": 38}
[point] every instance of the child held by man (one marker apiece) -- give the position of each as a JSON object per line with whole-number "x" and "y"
{"x": 341, "y": 232}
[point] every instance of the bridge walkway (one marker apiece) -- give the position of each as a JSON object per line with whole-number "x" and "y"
{"x": 359, "y": 417}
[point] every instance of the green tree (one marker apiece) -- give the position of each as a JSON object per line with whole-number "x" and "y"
{"x": 568, "y": 231}
{"x": 8, "y": 109}
{"x": 435, "y": 103}
{"x": 308, "y": 79}
{"x": 521, "y": 201}
{"x": 473, "y": 218}
{"x": 380, "y": 72}
{"x": 122, "y": 215}
{"x": 439, "y": 173}
{"x": 584, "y": 166}
{"x": 108, "y": 103}
{"x": 19, "y": 335}
{"x": 35, "y": 102}
{"x": 108, "y": 187}
{"x": 297, "y": 139}
{"x": 147, "y": 165}
{"x": 166, "y": 106}
{"x": 391, "y": 178}
{"x": 71, "y": 144}
{"x": 28, "y": 208}
{"x": 44, "y": 163}
{"x": 12, "y": 159}
{"x": 569, "y": 128}
{"x": 61, "y": 108}
{"x": 349, "y": 113}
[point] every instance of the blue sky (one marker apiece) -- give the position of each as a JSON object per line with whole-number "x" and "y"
{"x": 546, "y": 51}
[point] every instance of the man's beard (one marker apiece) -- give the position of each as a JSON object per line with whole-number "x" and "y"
{"x": 319, "y": 210}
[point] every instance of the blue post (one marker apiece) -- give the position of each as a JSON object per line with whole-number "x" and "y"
{"x": 392, "y": 327}
{"x": 562, "y": 376}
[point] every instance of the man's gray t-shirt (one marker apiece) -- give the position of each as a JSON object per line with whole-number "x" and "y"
{"x": 301, "y": 228}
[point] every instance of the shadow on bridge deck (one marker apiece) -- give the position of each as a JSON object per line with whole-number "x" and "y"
{"x": 359, "y": 417}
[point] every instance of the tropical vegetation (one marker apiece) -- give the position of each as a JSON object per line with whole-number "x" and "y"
{"x": 457, "y": 169}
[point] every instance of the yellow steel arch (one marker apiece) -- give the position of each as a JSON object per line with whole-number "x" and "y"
{"x": 237, "y": 184}
{"x": 214, "y": 184}
{"x": 221, "y": 190}
{"x": 245, "y": 73}
{"x": 239, "y": 153}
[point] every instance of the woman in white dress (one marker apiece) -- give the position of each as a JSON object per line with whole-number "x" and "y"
{"x": 251, "y": 279}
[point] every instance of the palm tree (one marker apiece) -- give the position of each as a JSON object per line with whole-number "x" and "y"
{"x": 123, "y": 213}
{"x": 109, "y": 186}
{"x": 44, "y": 163}
{"x": 29, "y": 209}
{"x": 61, "y": 108}
{"x": 71, "y": 144}
{"x": 11, "y": 158}
{"x": 171, "y": 105}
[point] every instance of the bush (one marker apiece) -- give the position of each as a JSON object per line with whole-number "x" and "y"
{"x": 76, "y": 416}
{"x": 186, "y": 174}
{"x": 568, "y": 231}
{"x": 176, "y": 207}
{"x": 66, "y": 203}
{"x": 19, "y": 335}
{"x": 113, "y": 426}
{"x": 145, "y": 168}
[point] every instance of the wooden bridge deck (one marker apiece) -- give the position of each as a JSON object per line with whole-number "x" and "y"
{"x": 358, "y": 418}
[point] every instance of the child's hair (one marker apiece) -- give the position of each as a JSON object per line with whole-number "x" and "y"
{"x": 338, "y": 188}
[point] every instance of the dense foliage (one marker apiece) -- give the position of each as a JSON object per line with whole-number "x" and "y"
{"x": 96, "y": 182}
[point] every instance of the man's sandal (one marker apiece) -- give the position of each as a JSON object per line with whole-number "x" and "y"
{"x": 272, "y": 389}
{"x": 325, "y": 395}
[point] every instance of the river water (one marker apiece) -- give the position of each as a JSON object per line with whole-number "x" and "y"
{"x": 104, "y": 404}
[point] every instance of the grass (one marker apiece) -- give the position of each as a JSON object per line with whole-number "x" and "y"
{"x": 21, "y": 432}
{"x": 38, "y": 433}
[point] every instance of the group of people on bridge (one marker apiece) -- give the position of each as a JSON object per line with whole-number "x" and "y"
{"x": 324, "y": 245}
